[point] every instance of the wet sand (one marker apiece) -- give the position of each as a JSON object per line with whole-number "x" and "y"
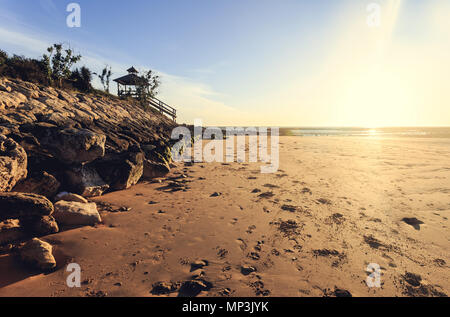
{"x": 335, "y": 205}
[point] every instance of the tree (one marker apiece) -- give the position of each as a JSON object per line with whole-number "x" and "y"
{"x": 59, "y": 62}
{"x": 105, "y": 77}
{"x": 147, "y": 87}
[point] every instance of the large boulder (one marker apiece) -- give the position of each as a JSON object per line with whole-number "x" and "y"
{"x": 154, "y": 169}
{"x": 13, "y": 163}
{"x": 122, "y": 171}
{"x": 38, "y": 254}
{"x": 23, "y": 205}
{"x": 85, "y": 181}
{"x": 70, "y": 145}
{"x": 72, "y": 213}
{"x": 40, "y": 183}
{"x": 10, "y": 231}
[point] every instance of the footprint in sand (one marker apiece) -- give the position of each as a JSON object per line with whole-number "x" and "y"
{"x": 242, "y": 244}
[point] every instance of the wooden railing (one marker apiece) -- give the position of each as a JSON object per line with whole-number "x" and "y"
{"x": 154, "y": 102}
{"x": 163, "y": 107}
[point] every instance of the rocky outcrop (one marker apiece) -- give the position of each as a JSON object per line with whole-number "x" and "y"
{"x": 38, "y": 253}
{"x": 75, "y": 137}
{"x": 13, "y": 163}
{"x": 21, "y": 205}
{"x": 42, "y": 183}
{"x": 75, "y": 214}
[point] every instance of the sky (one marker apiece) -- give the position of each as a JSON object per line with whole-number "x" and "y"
{"x": 261, "y": 62}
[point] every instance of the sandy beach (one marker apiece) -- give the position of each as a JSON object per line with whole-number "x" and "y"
{"x": 335, "y": 205}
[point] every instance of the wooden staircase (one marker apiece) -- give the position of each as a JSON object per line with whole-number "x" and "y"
{"x": 163, "y": 107}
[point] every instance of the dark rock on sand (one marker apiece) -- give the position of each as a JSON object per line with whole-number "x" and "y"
{"x": 414, "y": 222}
{"x": 23, "y": 205}
{"x": 193, "y": 288}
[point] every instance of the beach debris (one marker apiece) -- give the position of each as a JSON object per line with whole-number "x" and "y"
{"x": 38, "y": 254}
{"x": 74, "y": 213}
{"x": 247, "y": 269}
{"x": 414, "y": 222}
{"x": 70, "y": 197}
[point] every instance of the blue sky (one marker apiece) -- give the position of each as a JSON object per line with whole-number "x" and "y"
{"x": 239, "y": 61}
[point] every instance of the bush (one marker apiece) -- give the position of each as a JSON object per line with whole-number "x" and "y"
{"x": 81, "y": 79}
{"x": 23, "y": 68}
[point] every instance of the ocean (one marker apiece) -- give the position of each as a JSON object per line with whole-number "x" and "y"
{"x": 417, "y": 132}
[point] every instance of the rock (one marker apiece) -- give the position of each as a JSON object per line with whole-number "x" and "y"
{"x": 164, "y": 288}
{"x": 86, "y": 181}
{"x": 70, "y": 197}
{"x": 10, "y": 231}
{"x": 155, "y": 169}
{"x": 246, "y": 270}
{"x": 38, "y": 254}
{"x": 13, "y": 163}
{"x": 73, "y": 145}
{"x": 42, "y": 226}
{"x": 194, "y": 287}
{"x": 123, "y": 171}
{"x": 74, "y": 213}
{"x": 41, "y": 183}
{"x": 23, "y": 205}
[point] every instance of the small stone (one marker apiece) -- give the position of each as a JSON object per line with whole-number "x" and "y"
{"x": 215, "y": 194}
{"x": 38, "y": 254}
{"x": 246, "y": 270}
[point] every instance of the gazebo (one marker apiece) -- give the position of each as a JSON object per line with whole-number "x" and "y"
{"x": 130, "y": 84}
{"x": 127, "y": 85}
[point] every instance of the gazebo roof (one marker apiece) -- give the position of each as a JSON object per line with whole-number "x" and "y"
{"x": 130, "y": 80}
{"x": 132, "y": 70}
